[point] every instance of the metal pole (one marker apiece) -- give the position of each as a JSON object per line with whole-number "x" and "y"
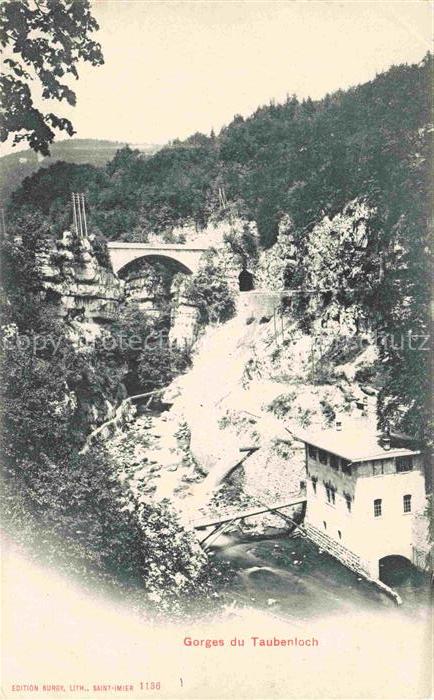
{"x": 84, "y": 214}
{"x": 80, "y": 234}
{"x": 2, "y": 224}
{"x": 275, "y": 327}
{"x": 74, "y": 213}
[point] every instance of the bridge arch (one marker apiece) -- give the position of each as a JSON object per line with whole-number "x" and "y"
{"x": 187, "y": 256}
{"x": 170, "y": 263}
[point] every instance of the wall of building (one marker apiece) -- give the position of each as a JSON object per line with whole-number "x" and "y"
{"x": 331, "y": 519}
{"x": 390, "y": 533}
{"x": 357, "y": 530}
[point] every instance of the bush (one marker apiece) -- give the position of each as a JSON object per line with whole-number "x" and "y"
{"x": 99, "y": 245}
{"x": 76, "y": 514}
{"x": 71, "y": 508}
{"x": 142, "y": 346}
{"x": 209, "y": 291}
{"x": 282, "y": 404}
{"x": 327, "y": 411}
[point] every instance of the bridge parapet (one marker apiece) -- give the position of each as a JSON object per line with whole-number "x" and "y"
{"x": 187, "y": 256}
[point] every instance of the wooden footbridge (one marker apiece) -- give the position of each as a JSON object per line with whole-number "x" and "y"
{"x": 221, "y": 523}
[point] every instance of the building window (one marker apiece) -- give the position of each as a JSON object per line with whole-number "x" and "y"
{"x": 334, "y": 462}
{"x": 404, "y": 464}
{"x": 325, "y": 524}
{"x": 348, "y": 501}
{"x": 346, "y": 466}
{"x": 377, "y": 467}
{"x": 340, "y": 534}
{"x": 312, "y": 451}
{"x": 314, "y": 480}
{"x": 322, "y": 455}
{"x": 407, "y": 503}
{"x": 377, "y": 507}
{"x": 331, "y": 493}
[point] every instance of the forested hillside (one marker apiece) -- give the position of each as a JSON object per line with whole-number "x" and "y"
{"x": 301, "y": 158}
{"x": 307, "y": 163}
{"x": 19, "y": 165}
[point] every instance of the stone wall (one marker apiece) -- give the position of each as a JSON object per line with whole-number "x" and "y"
{"x": 337, "y": 550}
{"x": 422, "y": 547}
{"x": 349, "y": 559}
{"x": 146, "y": 289}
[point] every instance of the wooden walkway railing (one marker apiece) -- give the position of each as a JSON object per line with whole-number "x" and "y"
{"x": 106, "y": 429}
{"x": 211, "y": 520}
{"x": 220, "y": 523}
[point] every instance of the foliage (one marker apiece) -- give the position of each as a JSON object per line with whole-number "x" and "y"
{"x": 46, "y": 42}
{"x": 100, "y": 249}
{"x": 282, "y": 404}
{"x": 72, "y": 507}
{"x": 242, "y": 241}
{"x": 176, "y": 564}
{"x": 16, "y": 166}
{"x": 48, "y": 192}
{"x": 301, "y": 160}
{"x": 348, "y": 179}
{"x": 328, "y": 411}
{"x": 161, "y": 363}
{"x": 79, "y": 516}
{"x": 209, "y": 291}
{"x": 141, "y": 344}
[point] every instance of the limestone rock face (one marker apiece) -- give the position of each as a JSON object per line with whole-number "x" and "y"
{"x": 145, "y": 288}
{"x": 276, "y": 264}
{"x": 184, "y": 323}
{"x": 76, "y": 284}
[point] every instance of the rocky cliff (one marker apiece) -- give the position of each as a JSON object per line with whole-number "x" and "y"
{"x": 76, "y": 284}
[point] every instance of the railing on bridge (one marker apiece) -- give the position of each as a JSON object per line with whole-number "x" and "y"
{"x": 221, "y": 522}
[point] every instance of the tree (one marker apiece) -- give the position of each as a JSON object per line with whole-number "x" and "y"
{"x": 209, "y": 291}
{"x": 45, "y": 41}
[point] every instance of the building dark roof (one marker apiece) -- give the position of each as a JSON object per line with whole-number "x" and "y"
{"x": 353, "y": 445}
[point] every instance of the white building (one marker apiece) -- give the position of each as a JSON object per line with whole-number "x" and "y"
{"x": 361, "y": 496}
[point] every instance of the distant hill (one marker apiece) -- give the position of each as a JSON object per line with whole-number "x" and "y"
{"x": 17, "y": 166}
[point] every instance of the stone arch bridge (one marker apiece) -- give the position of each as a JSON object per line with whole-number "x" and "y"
{"x": 186, "y": 257}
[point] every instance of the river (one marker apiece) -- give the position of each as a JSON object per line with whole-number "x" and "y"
{"x": 293, "y": 578}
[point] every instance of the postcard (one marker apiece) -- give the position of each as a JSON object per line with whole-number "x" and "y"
{"x": 215, "y": 348}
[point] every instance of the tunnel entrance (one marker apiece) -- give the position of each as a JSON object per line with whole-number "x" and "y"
{"x": 245, "y": 280}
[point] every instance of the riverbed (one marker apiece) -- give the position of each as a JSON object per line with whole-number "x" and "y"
{"x": 293, "y": 578}
{"x": 270, "y": 570}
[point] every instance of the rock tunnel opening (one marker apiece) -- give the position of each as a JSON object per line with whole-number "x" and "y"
{"x": 245, "y": 281}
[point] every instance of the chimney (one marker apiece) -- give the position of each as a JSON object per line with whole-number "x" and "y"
{"x": 338, "y": 425}
{"x": 385, "y": 440}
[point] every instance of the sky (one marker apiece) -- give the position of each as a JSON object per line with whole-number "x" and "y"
{"x": 173, "y": 68}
